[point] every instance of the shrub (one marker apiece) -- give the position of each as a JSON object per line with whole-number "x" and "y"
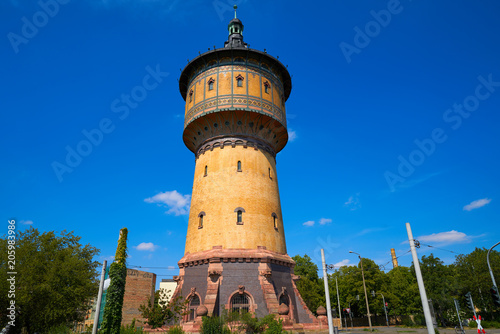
{"x": 214, "y": 325}
{"x": 176, "y": 330}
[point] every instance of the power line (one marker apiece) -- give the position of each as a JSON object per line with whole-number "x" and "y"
{"x": 446, "y": 250}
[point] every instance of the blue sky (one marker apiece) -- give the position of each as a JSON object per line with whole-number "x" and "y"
{"x": 394, "y": 116}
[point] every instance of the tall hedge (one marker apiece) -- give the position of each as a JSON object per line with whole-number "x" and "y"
{"x": 112, "y": 317}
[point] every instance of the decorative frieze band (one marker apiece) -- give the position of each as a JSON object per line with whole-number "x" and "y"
{"x": 233, "y": 142}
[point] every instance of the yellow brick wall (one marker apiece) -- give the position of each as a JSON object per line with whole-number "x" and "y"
{"x": 225, "y": 86}
{"x": 223, "y": 190}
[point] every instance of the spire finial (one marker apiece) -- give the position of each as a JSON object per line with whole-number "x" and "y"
{"x": 235, "y": 7}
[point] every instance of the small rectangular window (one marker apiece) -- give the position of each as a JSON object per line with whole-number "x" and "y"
{"x": 239, "y": 166}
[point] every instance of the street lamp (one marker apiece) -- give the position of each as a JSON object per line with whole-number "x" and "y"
{"x": 364, "y": 287}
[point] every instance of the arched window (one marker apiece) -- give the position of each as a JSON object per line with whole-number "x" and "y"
{"x": 239, "y": 215}
{"x": 194, "y": 302}
{"x": 200, "y": 217}
{"x": 240, "y": 303}
{"x": 206, "y": 171}
{"x": 239, "y": 166}
{"x": 191, "y": 95}
{"x": 211, "y": 84}
{"x": 266, "y": 87}
{"x": 239, "y": 80}
{"x": 275, "y": 220}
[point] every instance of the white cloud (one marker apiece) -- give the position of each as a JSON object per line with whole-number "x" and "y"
{"x": 109, "y": 258}
{"x": 353, "y": 202}
{"x": 371, "y": 230}
{"x": 345, "y": 262}
{"x": 450, "y": 237}
{"x": 26, "y": 222}
{"x": 309, "y": 223}
{"x": 176, "y": 203}
{"x": 146, "y": 246}
{"x": 324, "y": 221}
{"x": 477, "y": 204}
{"x": 292, "y": 135}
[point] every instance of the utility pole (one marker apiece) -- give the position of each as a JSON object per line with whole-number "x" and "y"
{"x": 458, "y": 313}
{"x": 364, "y": 287}
{"x": 420, "y": 281}
{"x": 99, "y": 298}
{"x": 327, "y": 294}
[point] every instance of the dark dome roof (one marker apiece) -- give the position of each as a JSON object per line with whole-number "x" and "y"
{"x": 236, "y": 20}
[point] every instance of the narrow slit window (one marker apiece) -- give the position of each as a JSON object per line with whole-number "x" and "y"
{"x": 275, "y": 221}
{"x": 239, "y": 216}
{"x": 200, "y": 222}
{"x": 270, "y": 174}
{"x": 211, "y": 84}
{"x": 206, "y": 171}
{"x": 239, "y": 166}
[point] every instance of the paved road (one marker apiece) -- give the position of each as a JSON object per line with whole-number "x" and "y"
{"x": 402, "y": 330}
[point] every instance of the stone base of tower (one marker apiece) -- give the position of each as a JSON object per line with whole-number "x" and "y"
{"x": 258, "y": 281}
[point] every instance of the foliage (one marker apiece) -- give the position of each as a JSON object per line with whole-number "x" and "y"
{"x": 399, "y": 286}
{"x": 311, "y": 288}
{"x": 441, "y": 285}
{"x": 56, "y": 279}
{"x": 60, "y": 329}
{"x": 214, "y": 325}
{"x": 402, "y": 292}
{"x": 350, "y": 283}
{"x": 159, "y": 312}
{"x": 112, "y": 317}
{"x": 473, "y": 273}
{"x": 251, "y": 325}
{"x": 131, "y": 329}
{"x": 274, "y": 327}
{"x": 176, "y": 330}
{"x": 485, "y": 324}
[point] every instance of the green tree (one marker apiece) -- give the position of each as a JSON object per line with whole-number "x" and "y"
{"x": 473, "y": 274}
{"x": 310, "y": 286}
{"x": 441, "y": 285}
{"x": 112, "y": 317}
{"x": 55, "y": 281}
{"x": 350, "y": 282}
{"x": 402, "y": 292}
{"x": 160, "y": 312}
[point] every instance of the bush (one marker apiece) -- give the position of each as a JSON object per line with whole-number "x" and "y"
{"x": 176, "y": 330}
{"x": 214, "y": 325}
{"x": 274, "y": 327}
{"x": 61, "y": 329}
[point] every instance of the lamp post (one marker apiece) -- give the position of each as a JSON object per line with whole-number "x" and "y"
{"x": 364, "y": 287}
{"x": 489, "y": 266}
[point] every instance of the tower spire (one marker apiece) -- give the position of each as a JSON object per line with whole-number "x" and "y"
{"x": 235, "y": 27}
